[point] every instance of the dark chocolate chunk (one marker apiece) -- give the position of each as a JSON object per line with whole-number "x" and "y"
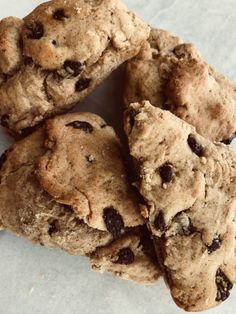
{"x": 68, "y": 209}
{"x": 73, "y": 67}
{"x": 59, "y": 15}
{"x": 54, "y": 227}
{"x": 223, "y": 284}
{"x": 229, "y": 140}
{"x": 36, "y": 30}
{"x": 216, "y": 243}
{"x": 167, "y": 172}
{"x": 195, "y": 146}
{"x": 159, "y": 222}
{"x": 125, "y": 256}
{"x": 113, "y": 221}
{"x": 28, "y": 61}
{"x": 82, "y": 125}
{"x": 27, "y": 131}
{"x": 82, "y": 84}
{"x": 54, "y": 42}
{"x": 4, "y": 120}
{"x": 3, "y": 159}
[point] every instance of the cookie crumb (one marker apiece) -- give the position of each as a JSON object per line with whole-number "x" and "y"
{"x": 90, "y": 158}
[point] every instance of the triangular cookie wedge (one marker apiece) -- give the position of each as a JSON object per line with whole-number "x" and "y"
{"x": 189, "y": 184}
{"x": 173, "y": 75}
{"x": 83, "y": 167}
{"x": 58, "y": 54}
{"x": 27, "y": 209}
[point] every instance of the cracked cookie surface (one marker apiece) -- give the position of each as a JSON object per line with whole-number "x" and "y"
{"x": 27, "y": 210}
{"x": 189, "y": 184}
{"x": 84, "y": 168}
{"x": 59, "y": 53}
{"x": 131, "y": 257}
{"x": 174, "y": 76}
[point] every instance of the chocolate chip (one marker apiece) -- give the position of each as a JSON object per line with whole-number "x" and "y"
{"x": 59, "y": 15}
{"x": 82, "y": 125}
{"x": 68, "y": 209}
{"x": 113, "y": 221}
{"x": 216, "y": 243}
{"x": 4, "y": 120}
{"x": 223, "y": 284}
{"x": 54, "y": 227}
{"x": 73, "y": 67}
{"x": 27, "y": 131}
{"x": 229, "y": 140}
{"x": 159, "y": 222}
{"x": 82, "y": 84}
{"x": 3, "y": 159}
{"x": 54, "y": 42}
{"x": 28, "y": 61}
{"x": 167, "y": 172}
{"x": 125, "y": 256}
{"x": 36, "y": 30}
{"x": 195, "y": 146}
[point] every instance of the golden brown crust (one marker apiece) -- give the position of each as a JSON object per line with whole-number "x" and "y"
{"x": 89, "y": 175}
{"x": 174, "y": 76}
{"x": 27, "y": 210}
{"x": 59, "y": 53}
{"x": 189, "y": 184}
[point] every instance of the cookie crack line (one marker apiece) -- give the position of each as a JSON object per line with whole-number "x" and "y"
{"x": 192, "y": 217}
{"x": 24, "y": 165}
{"x": 49, "y": 42}
{"x": 89, "y": 203}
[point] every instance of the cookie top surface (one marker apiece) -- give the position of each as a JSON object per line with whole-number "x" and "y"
{"x": 57, "y": 54}
{"x": 174, "y": 76}
{"x": 26, "y": 209}
{"x": 83, "y": 167}
{"x": 130, "y": 257}
{"x": 189, "y": 184}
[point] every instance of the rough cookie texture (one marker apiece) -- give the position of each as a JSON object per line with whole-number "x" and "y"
{"x": 174, "y": 76}
{"x": 26, "y": 209}
{"x": 59, "y": 53}
{"x": 83, "y": 168}
{"x": 130, "y": 257}
{"x": 189, "y": 185}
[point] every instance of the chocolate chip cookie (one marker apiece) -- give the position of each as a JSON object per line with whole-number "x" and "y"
{"x": 83, "y": 167}
{"x": 174, "y": 76}
{"x": 130, "y": 257}
{"x": 59, "y": 53}
{"x": 189, "y": 184}
{"x": 27, "y": 210}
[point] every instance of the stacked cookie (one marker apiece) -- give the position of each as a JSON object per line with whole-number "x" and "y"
{"x": 66, "y": 185}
